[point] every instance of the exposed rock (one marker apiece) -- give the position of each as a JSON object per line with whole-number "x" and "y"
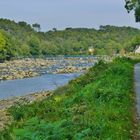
{"x": 24, "y": 68}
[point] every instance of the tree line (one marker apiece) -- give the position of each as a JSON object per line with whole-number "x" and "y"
{"x": 24, "y": 40}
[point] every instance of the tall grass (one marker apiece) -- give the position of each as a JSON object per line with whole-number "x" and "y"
{"x": 96, "y": 106}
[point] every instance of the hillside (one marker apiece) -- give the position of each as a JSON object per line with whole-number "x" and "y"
{"x": 24, "y": 40}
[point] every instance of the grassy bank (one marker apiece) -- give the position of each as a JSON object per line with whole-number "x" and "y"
{"x": 95, "y": 106}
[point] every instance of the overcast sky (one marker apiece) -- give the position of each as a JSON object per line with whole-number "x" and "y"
{"x": 68, "y": 13}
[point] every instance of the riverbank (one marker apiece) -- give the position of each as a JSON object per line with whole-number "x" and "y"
{"x": 24, "y": 68}
{"x": 5, "y": 117}
{"x": 97, "y": 105}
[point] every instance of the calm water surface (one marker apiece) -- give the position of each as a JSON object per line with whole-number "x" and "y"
{"x": 26, "y": 86}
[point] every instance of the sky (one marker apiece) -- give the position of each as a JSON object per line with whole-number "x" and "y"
{"x": 68, "y": 13}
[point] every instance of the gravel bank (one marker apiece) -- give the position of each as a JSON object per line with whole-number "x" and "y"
{"x": 24, "y": 68}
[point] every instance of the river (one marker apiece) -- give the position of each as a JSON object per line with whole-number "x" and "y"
{"x": 21, "y": 87}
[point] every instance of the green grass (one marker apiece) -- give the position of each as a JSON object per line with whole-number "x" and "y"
{"x": 96, "y": 106}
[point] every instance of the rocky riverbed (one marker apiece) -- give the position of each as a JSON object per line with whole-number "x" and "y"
{"x": 24, "y": 68}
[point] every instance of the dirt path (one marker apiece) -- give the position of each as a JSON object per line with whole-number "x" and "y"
{"x": 137, "y": 91}
{"x": 137, "y": 87}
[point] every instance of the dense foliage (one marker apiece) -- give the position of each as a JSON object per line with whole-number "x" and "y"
{"x": 23, "y": 40}
{"x": 95, "y": 106}
{"x": 134, "y": 5}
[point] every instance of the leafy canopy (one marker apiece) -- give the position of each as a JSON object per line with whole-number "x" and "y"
{"x": 133, "y": 5}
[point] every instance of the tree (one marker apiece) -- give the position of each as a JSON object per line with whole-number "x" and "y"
{"x": 8, "y": 49}
{"x": 2, "y": 47}
{"x": 135, "y": 6}
{"x": 34, "y": 45}
{"x": 132, "y": 44}
{"x": 22, "y": 23}
{"x": 54, "y": 29}
{"x": 25, "y": 50}
{"x": 36, "y": 27}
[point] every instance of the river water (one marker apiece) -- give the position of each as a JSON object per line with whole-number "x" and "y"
{"x": 21, "y": 87}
